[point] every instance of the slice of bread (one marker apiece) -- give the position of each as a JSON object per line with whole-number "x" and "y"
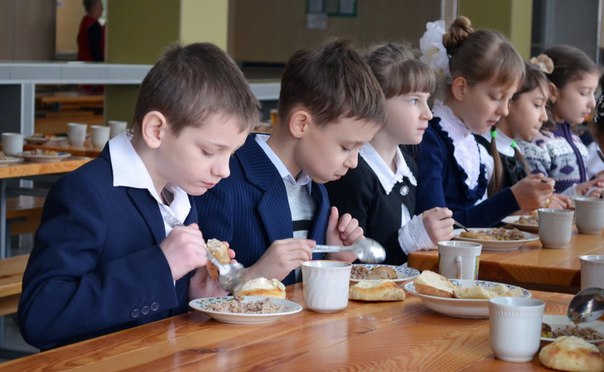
{"x": 262, "y": 287}
{"x": 570, "y": 353}
{"x": 220, "y": 250}
{"x": 376, "y": 290}
{"x": 434, "y": 284}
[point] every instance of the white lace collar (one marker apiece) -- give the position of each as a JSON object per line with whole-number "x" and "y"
{"x": 387, "y": 177}
{"x": 466, "y": 151}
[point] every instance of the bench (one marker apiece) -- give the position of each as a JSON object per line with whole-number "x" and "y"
{"x": 23, "y": 214}
{"x": 11, "y": 275}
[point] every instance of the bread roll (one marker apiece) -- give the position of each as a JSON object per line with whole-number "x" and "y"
{"x": 376, "y": 290}
{"x": 433, "y": 284}
{"x": 262, "y": 287}
{"x": 570, "y": 353}
{"x": 220, "y": 250}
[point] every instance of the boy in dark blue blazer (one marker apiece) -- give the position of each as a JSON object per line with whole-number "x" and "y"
{"x": 106, "y": 256}
{"x": 273, "y": 208}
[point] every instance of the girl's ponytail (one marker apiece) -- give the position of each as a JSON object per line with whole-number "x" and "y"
{"x": 497, "y": 179}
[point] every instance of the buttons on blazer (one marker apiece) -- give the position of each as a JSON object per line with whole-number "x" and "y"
{"x": 145, "y": 310}
{"x": 135, "y": 313}
{"x": 154, "y": 306}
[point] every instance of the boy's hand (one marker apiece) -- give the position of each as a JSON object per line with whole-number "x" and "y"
{"x": 185, "y": 250}
{"x": 438, "y": 223}
{"x": 201, "y": 285}
{"x": 281, "y": 258}
{"x": 342, "y": 231}
{"x": 533, "y": 191}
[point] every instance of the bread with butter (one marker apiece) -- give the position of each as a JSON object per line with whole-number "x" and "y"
{"x": 434, "y": 284}
{"x": 220, "y": 250}
{"x": 376, "y": 290}
{"x": 262, "y": 287}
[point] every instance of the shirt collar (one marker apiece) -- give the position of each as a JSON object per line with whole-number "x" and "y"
{"x": 303, "y": 178}
{"x": 130, "y": 171}
{"x": 385, "y": 175}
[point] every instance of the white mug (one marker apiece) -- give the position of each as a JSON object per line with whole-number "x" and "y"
{"x": 12, "y": 143}
{"x": 515, "y": 327}
{"x": 589, "y": 214}
{"x": 459, "y": 259}
{"x": 592, "y": 271}
{"x": 326, "y": 285}
{"x": 76, "y": 134}
{"x": 555, "y": 227}
{"x": 100, "y": 136}
{"x": 117, "y": 127}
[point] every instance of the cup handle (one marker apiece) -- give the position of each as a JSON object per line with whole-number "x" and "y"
{"x": 458, "y": 266}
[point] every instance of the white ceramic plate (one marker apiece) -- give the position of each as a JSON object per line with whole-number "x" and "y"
{"x": 513, "y": 221}
{"x": 497, "y": 245}
{"x": 403, "y": 272}
{"x": 460, "y": 307}
{"x": 9, "y": 160}
{"x": 561, "y": 321}
{"x": 289, "y": 308}
{"x": 41, "y": 158}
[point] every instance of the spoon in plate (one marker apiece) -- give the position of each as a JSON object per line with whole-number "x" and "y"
{"x": 587, "y": 305}
{"x": 367, "y": 250}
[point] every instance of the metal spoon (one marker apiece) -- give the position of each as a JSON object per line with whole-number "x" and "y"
{"x": 231, "y": 274}
{"x": 460, "y": 225}
{"x": 587, "y": 305}
{"x": 367, "y": 250}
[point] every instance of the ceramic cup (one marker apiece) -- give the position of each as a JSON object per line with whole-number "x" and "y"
{"x": 100, "y": 136}
{"x": 12, "y": 143}
{"x": 515, "y": 327}
{"x": 459, "y": 259}
{"x": 592, "y": 271}
{"x": 76, "y": 134}
{"x": 590, "y": 215}
{"x": 555, "y": 227}
{"x": 326, "y": 285}
{"x": 117, "y": 127}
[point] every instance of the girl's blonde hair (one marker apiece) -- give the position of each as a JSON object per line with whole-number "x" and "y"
{"x": 398, "y": 71}
{"x": 481, "y": 55}
{"x": 534, "y": 79}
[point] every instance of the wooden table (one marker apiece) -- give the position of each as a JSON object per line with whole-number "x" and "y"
{"x": 86, "y": 150}
{"x": 532, "y": 267}
{"x": 26, "y": 169}
{"x": 365, "y": 336}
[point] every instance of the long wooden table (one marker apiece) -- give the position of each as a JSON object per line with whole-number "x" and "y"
{"x": 533, "y": 267}
{"x": 27, "y": 169}
{"x": 11, "y": 275}
{"x": 365, "y": 336}
{"x": 86, "y": 150}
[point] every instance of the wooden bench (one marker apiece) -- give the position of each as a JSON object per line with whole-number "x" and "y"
{"x": 23, "y": 214}
{"x": 11, "y": 275}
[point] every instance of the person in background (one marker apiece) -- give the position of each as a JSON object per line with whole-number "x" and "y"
{"x": 527, "y": 112}
{"x": 108, "y": 255}
{"x": 481, "y": 71}
{"x": 380, "y": 191}
{"x": 557, "y": 151}
{"x": 274, "y": 208}
{"x": 91, "y": 34}
{"x": 594, "y": 163}
{"x": 598, "y": 129}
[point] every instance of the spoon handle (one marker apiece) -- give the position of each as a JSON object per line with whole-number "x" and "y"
{"x": 320, "y": 248}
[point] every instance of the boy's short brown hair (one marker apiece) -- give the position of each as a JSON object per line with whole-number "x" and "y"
{"x": 190, "y": 83}
{"x": 331, "y": 82}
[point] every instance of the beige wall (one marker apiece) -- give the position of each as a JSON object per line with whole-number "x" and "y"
{"x": 27, "y": 29}
{"x": 513, "y": 18}
{"x": 271, "y": 30}
{"x": 69, "y": 14}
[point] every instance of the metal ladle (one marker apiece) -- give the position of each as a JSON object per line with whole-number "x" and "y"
{"x": 367, "y": 250}
{"x": 587, "y": 305}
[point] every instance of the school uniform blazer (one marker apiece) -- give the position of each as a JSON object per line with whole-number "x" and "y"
{"x": 96, "y": 266}
{"x": 250, "y": 210}
{"x": 442, "y": 184}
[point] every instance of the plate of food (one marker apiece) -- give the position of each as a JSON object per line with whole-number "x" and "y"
{"x": 44, "y": 156}
{"x": 6, "y": 160}
{"x": 461, "y": 298}
{"x": 380, "y": 272}
{"x": 496, "y": 239}
{"x": 40, "y": 139}
{"x": 528, "y": 223}
{"x": 246, "y": 310}
{"x": 559, "y": 325}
